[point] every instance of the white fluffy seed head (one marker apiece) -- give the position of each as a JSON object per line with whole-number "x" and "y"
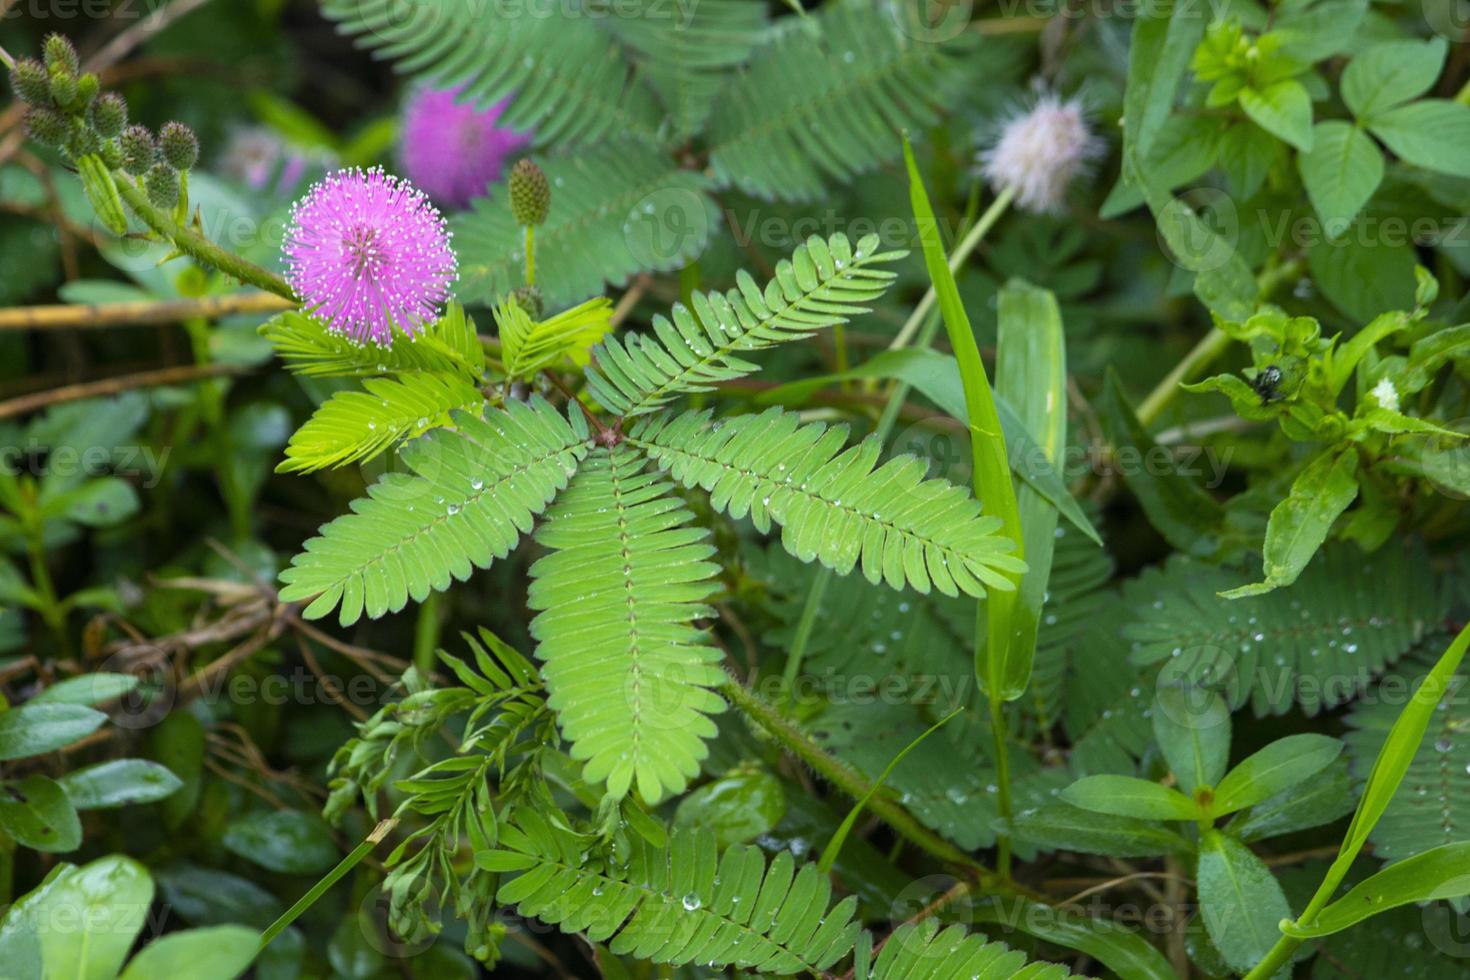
{"x": 1386, "y": 395}
{"x": 1040, "y": 151}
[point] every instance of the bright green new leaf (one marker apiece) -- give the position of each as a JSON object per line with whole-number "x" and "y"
{"x": 1283, "y": 109}
{"x": 1390, "y": 73}
{"x": 1240, "y": 901}
{"x": 527, "y": 346}
{"x": 1128, "y": 796}
{"x": 34, "y": 729}
{"x": 1192, "y": 728}
{"x": 1432, "y": 133}
{"x": 1443, "y": 872}
{"x": 1277, "y": 767}
{"x": 211, "y": 953}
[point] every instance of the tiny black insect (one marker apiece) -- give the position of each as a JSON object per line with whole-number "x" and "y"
{"x": 1267, "y": 383}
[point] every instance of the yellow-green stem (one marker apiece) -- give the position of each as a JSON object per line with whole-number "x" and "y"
{"x": 530, "y": 255}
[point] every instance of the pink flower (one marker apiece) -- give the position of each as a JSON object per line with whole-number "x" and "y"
{"x": 367, "y": 251}
{"x": 453, "y": 150}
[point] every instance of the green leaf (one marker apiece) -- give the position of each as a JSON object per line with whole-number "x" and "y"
{"x": 105, "y": 502}
{"x": 1443, "y": 872}
{"x": 1391, "y": 72}
{"x": 1124, "y": 952}
{"x": 527, "y": 346}
{"x": 836, "y": 504}
{"x": 1277, "y": 767}
{"x": 1177, "y": 506}
{"x": 1283, "y": 109}
{"x": 36, "y": 813}
{"x": 1192, "y": 728}
{"x": 1127, "y": 796}
{"x": 355, "y": 426}
{"x": 449, "y": 346}
{"x": 120, "y": 782}
{"x": 1240, "y": 901}
{"x": 474, "y": 491}
{"x": 500, "y": 861}
{"x": 1432, "y": 133}
{"x": 823, "y": 283}
{"x": 1063, "y": 827}
{"x": 1364, "y": 273}
{"x": 288, "y": 841}
{"x": 737, "y": 808}
{"x": 1341, "y": 172}
{"x": 1300, "y": 523}
{"x": 108, "y": 895}
{"x": 1309, "y": 32}
{"x": 36, "y": 729}
{"x": 87, "y": 689}
{"x": 215, "y": 953}
{"x": 178, "y": 743}
{"x": 1320, "y": 800}
{"x": 922, "y": 950}
{"x": 627, "y": 670}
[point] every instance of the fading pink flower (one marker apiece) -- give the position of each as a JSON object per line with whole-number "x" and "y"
{"x": 367, "y": 251}
{"x": 1040, "y": 151}
{"x": 453, "y": 150}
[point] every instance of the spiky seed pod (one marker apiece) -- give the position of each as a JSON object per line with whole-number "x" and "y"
{"x": 530, "y": 194}
{"x": 29, "y": 81}
{"x": 47, "y": 126}
{"x": 84, "y": 141}
{"x": 110, "y": 114}
{"x": 87, "y": 88}
{"x": 61, "y": 56}
{"x": 63, "y": 89}
{"x": 162, "y": 183}
{"x": 139, "y": 150}
{"x": 180, "y": 145}
{"x": 529, "y": 299}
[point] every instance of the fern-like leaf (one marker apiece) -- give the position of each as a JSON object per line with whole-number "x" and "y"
{"x": 923, "y": 950}
{"x": 527, "y": 345}
{"x": 619, "y": 208}
{"x": 474, "y": 491}
{"x": 832, "y": 503}
{"x": 828, "y": 100}
{"x": 352, "y": 426}
{"x": 628, "y": 672}
{"x": 310, "y": 349}
{"x": 823, "y": 283}
{"x": 686, "y": 56}
{"x": 568, "y": 80}
{"x": 682, "y": 904}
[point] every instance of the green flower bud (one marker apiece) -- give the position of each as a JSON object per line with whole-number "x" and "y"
{"x": 87, "y": 88}
{"x": 111, "y": 155}
{"x": 162, "y": 184}
{"x": 47, "y": 126}
{"x": 61, "y": 55}
{"x": 84, "y": 141}
{"x": 110, "y": 114}
{"x": 180, "y": 145}
{"x": 138, "y": 150}
{"x": 30, "y": 82}
{"x": 530, "y": 194}
{"x": 63, "y": 89}
{"x": 528, "y": 298}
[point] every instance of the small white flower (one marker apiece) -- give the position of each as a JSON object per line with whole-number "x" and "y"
{"x": 1386, "y": 395}
{"x": 1040, "y": 151}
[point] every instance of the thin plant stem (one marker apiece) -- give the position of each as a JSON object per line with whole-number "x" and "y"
{"x": 999, "y": 729}
{"x": 530, "y": 255}
{"x": 803, "y": 636}
{"x": 196, "y": 246}
{"x": 426, "y": 633}
{"x": 332, "y": 877}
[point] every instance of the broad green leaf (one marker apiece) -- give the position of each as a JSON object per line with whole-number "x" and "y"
{"x": 1192, "y": 728}
{"x": 1443, "y": 872}
{"x": 120, "y": 782}
{"x": 738, "y": 807}
{"x": 1300, "y": 523}
{"x": 1031, "y": 374}
{"x": 36, "y": 729}
{"x": 1240, "y": 901}
{"x": 1177, "y": 506}
{"x": 1391, "y": 72}
{"x": 1364, "y": 273}
{"x": 288, "y": 841}
{"x": 1128, "y": 796}
{"x": 110, "y": 895}
{"x": 1126, "y": 953}
{"x": 1277, "y": 767}
{"x": 1341, "y": 172}
{"x": 1064, "y": 827}
{"x": 214, "y": 953}
{"x": 1283, "y": 109}
{"x": 1320, "y": 800}
{"x": 36, "y": 813}
{"x": 87, "y": 690}
{"x": 103, "y": 502}
{"x": 178, "y": 743}
{"x": 1432, "y": 133}
{"x": 1164, "y": 38}
{"x": 1309, "y": 32}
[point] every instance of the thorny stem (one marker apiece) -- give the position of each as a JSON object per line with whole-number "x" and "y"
{"x": 196, "y": 246}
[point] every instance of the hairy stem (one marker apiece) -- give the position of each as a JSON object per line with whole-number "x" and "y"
{"x": 196, "y": 246}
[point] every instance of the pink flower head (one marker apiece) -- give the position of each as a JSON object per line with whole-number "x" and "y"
{"x": 453, "y": 150}
{"x": 367, "y": 252}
